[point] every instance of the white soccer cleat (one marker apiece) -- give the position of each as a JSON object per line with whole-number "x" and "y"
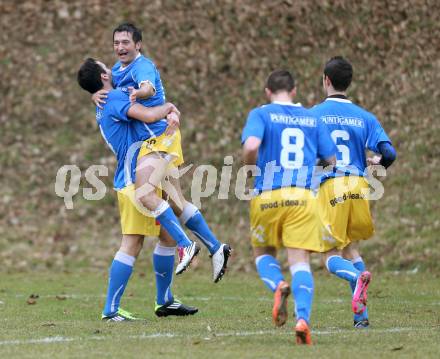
{"x": 186, "y": 257}
{"x": 219, "y": 262}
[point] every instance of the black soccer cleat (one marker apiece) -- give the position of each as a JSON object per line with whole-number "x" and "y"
{"x": 174, "y": 308}
{"x": 120, "y": 316}
{"x": 361, "y": 324}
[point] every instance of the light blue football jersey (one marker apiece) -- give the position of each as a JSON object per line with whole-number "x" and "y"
{"x": 140, "y": 70}
{"x": 292, "y": 139}
{"x": 353, "y": 129}
{"x": 120, "y": 132}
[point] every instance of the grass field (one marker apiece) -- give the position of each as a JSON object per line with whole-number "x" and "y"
{"x": 233, "y": 322}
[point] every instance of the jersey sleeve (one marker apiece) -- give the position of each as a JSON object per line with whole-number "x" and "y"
{"x": 376, "y": 134}
{"x": 326, "y": 146}
{"x": 144, "y": 72}
{"x": 120, "y": 104}
{"x": 254, "y": 126}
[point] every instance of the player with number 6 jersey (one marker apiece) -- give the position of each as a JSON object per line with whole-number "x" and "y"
{"x": 285, "y": 140}
{"x": 343, "y": 204}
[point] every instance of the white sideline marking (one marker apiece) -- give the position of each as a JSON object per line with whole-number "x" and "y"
{"x": 48, "y": 340}
{"x": 68, "y": 296}
{"x": 57, "y": 339}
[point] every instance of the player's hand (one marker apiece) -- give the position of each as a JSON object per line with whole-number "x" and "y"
{"x": 375, "y": 160}
{"x": 174, "y": 108}
{"x": 133, "y": 93}
{"x": 173, "y": 121}
{"x": 99, "y": 97}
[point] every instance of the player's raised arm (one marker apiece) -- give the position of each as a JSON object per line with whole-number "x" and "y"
{"x": 151, "y": 114}
{"x": 145, "y": 91}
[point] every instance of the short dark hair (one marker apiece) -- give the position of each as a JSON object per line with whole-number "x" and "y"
{"x": 136, "y": 33}
{"x": 89, "y": 76}
{"x": 340, "y": 72}
{"x": 280, "y": 80}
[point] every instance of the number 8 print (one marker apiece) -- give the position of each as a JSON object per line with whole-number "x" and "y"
{"x": 292, "y": 148}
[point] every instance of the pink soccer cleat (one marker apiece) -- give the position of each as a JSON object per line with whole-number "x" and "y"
{"x": 359, "y": 301}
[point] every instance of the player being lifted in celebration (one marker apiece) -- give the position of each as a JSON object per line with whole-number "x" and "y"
{"x": 343, "y": 206}
{"x": 120, "y": 132}
{"x": 284, "y": 140}
{"x": 135, "y": 74}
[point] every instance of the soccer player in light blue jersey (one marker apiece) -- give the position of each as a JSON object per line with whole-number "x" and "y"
{"x": 137, "y": 75}
{"x": 285, "y": 140}
{"x": 346, "y": 215}
{"x": 120, "y": 130}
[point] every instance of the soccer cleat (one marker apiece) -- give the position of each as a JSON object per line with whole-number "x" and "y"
{"x": 180, "y": 252}
{"x": 219, "y": 262}
{"x": 302, "y": 333}
{"x": 279, "y": 311}
{"x": 359, "y": 301}
{"x": 174, "y": 308}
{"x": 186, "y": 256}
{"x": 361, "y": 324}
{"x": 120, "y": 316}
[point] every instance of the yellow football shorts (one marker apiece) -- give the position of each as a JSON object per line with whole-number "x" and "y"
{"x": 344, "y": 210}
{"x": 164, "y": 144}
{"x": 285, "y": 217}
{"x": 134, "y": 219}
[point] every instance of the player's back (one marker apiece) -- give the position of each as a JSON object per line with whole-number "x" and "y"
{"x": 291, "y": 141}
{"x": 353, "y": 129}
{"x": 120, "y": 132}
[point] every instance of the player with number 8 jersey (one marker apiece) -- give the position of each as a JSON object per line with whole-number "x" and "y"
{"x": 291, "y": 140}
{"x": 285, "y": 140}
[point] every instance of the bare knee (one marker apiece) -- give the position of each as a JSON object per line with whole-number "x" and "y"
{"x": 351, "y": 251}
{"x": 165, "y": 239}
{"x": 261, "y": 251}
{"x": 132, "y": 244}
{"x": 296, "y": 255}
{"x": 331, "y": 253}
{"x": 149, "y": 200}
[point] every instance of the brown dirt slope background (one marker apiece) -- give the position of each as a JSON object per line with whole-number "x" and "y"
{"x": 213, "y": 57}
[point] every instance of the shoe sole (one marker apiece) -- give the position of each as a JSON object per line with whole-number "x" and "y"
{"x": 196, "y": 252}
{"x": 280, "y": 318}
{"x": 302, "y": 334}
{"x": 227, "y": 253}
{"x": 359, "y": 302}
{"x": 160, "y": 314}
{"x": 301, "y": 337}
{"x": 111, "y": 320}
